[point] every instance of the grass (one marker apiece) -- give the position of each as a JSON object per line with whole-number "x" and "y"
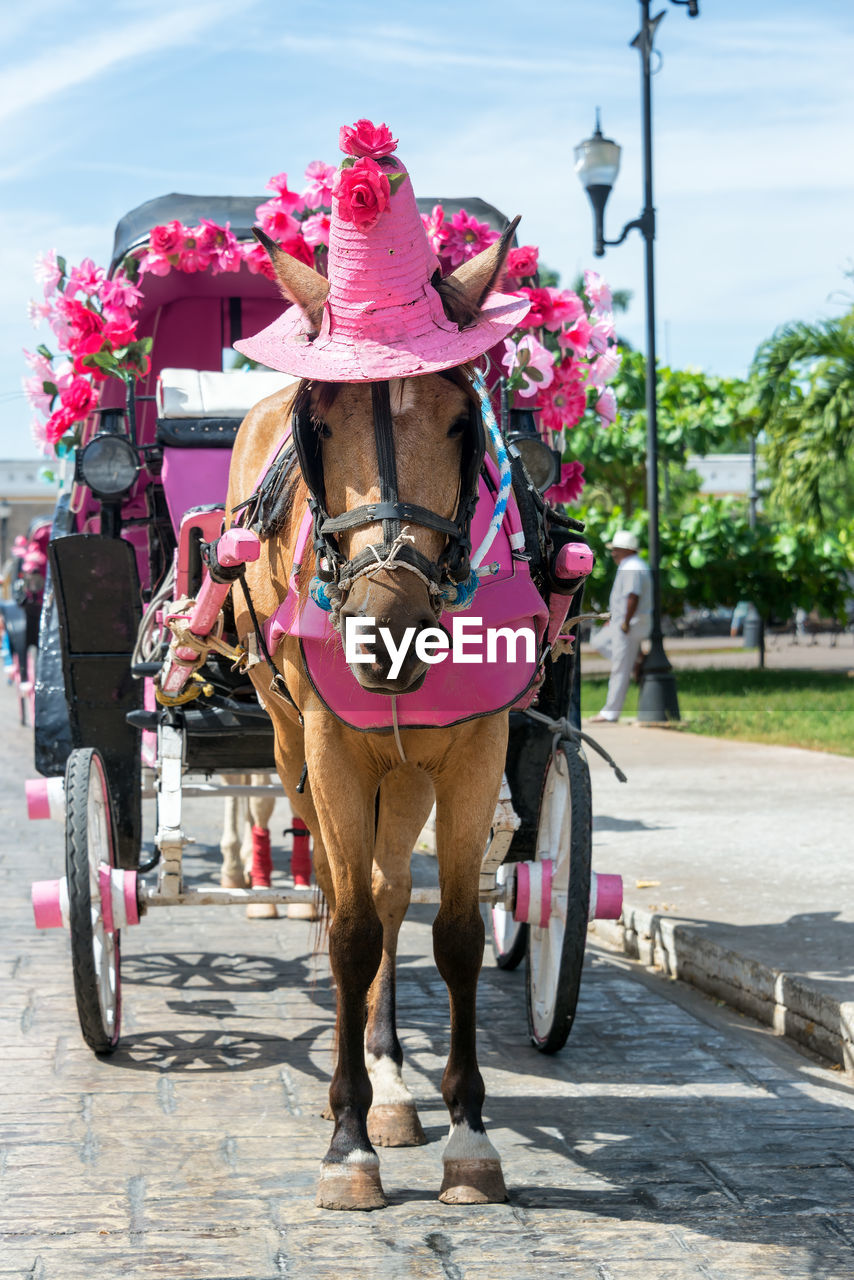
{"x": 812, "y": 709}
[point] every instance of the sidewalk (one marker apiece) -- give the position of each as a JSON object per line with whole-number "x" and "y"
{"x": 781, "y": 653}
{"x": 738, "y": 868}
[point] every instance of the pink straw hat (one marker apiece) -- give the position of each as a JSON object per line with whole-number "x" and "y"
{"x": 382, "y": 317}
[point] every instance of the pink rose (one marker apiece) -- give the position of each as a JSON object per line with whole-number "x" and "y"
{"x": 57, "y": 425}
{"x": 119, "y": 334}
{"x": 84, "y": 322}
{"x": 257, "y": 260}
{"x": 168, "y": 239}
{"x": 78, "y": 397}
{"x": 522, "y": 263}
{"x": 363, "y": 193}
{"x": 83, "y": 363}
{"x": 366, "y": 139}
{"x": 540, "y": 308}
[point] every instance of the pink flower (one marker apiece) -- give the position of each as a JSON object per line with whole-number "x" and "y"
{"x": 155, "y": 264}
{"x": 465, "y": 237}
{"x": 363, "y": 193}
{"x": 564, "y": 307}
{"x": 38, "y": 432}
{"x": 46, "y": 271}
{"x": 219, "y": 246}
{"x": 435, "y": 228}
{"x": 533, "y": 362}
{"x": 366, "y": 139}
{"x": 57, "y": 425}
{"x": 605, "y": 368}
{"x": 602, "y": 334}
{"x": 37, "y": 311}
{"x": 540, "y": 308}
{"x": 275, "y": 219}
{"x": 570, "y": 485}
{"x": 35, "y": 393}
{"x": 289, "y": 201}
{"x": 83, "y": 321}
{"x": 522, "y": 263}
{"x": 119, "y": 295}
{"x": 315, "y": 229}
{"x": 192, "y": 257}
{"x": 577, "y": 338}
{"x": 564, "y": 401}
{"x": 257, "y": 260}
{"x": 597, "y": 292}
{"x": 119, "y": 334}
{"x": 297, "y": 248}
{"x": 87, "y": 278}
{"x": 78, "y": 397}
{"x": 167, "y": 240}
{"x": 40, "y": 365}
{"x": 606, "y": 405}
{"x": 320, "y": 177}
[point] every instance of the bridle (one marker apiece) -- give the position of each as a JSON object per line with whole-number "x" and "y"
{"x": 335, "y": 576}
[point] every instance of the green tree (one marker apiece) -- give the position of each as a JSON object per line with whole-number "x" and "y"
{"x": 805, "y": 381}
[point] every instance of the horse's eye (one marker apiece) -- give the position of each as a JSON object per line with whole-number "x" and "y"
{"x": 457, "y": 428}
{"x": 321, "y": 428}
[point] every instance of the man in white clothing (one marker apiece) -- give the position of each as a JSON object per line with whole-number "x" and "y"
{"x": 630, "y": 607}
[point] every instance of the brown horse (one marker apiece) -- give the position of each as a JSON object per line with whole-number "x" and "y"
{"x": 364, "y": 804}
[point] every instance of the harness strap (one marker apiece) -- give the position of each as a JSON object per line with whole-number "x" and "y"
{"x": 277, "y": 680}
{"x": 373, "y": 512}
{"x": 386, "y": 459}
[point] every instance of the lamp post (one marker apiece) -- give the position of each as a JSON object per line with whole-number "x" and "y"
{"x": 5, "y": 513}
{"x": 597, "y": 162}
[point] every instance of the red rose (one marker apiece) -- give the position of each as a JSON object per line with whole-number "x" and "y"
{"x": 57, "y": 425}
{"x": 120, "y": 335}
{"x": 366, "y": 139}
{"x": 363, "y": 193}
{"x": 86, "y": 348}
{"x": 167, "y": 239}
{"x": 522, "y": 262}
{"x": 297, "y": 247}
{"x": 83, "y": 321}
{"x": 541, "y": 308}
{"x": 78, "y": 398}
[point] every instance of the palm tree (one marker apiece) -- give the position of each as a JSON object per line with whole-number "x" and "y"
{"x": 805, "y": 384}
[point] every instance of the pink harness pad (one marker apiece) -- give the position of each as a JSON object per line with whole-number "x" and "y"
{"x": 451, "y": 692}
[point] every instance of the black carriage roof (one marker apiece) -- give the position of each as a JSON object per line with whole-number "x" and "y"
{"x": 133, "y": 229}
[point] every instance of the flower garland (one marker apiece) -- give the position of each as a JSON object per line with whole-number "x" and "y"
{"x": 564, "y": 350}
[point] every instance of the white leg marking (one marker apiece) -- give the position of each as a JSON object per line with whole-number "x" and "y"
{"x": 466, "y": 1144}
{"x": 387, "y": 1082}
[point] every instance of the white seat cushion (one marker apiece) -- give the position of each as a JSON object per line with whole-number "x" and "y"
{"x": 194, "y": 393}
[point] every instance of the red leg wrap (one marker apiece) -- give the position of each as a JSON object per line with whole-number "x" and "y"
{"x": 301, "y": 854}
{"x": 262, "y": 859}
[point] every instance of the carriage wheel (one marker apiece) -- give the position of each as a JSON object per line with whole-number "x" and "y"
{"x": 556, "y": 952}
{"x": 95, "y": 957}
{"x": 509, "y": 936}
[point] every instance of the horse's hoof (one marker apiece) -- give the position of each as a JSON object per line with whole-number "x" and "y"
{"x": 350, "y": 1186}
{"x": 262, "y": 911}
{"x": 473, "y": 1182}
{"x": 303, "y": 911}
{"x": 395, "y": 1124}
{"x": 232, "y": 881}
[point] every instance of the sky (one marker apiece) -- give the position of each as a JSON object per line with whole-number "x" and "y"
{"x": 104, "y": 106}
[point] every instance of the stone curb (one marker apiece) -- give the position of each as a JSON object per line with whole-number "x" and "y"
{"x": 789, "y": 1003}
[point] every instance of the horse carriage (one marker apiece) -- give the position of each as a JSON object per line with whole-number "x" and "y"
{"x": 202, "y": 578}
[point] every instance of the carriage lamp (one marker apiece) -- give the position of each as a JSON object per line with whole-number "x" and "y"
{"x": 597, "y": 163}
{"x": 541, "y": 463}
{"x": 109, "y": 464}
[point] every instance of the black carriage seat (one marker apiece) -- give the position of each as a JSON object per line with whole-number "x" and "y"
{"x": 204, "y": 409}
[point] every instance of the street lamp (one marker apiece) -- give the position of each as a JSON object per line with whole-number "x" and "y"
{"x": 597, "y": 162}
{"x": 5, "y": 512}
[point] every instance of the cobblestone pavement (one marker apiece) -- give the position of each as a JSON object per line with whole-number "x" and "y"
{"x": 671, "y": 1139}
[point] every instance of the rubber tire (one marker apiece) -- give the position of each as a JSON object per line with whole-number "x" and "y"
{"x": 32, "y": 661}
{"x": 85, "y": 778}
{"x": 550, "y": 1030}
{"x": 508, "y": 957}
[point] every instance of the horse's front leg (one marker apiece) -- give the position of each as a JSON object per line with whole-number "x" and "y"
{"x": 349, "y": 1174}
{"x": 465, "y": 805}
{"x": 404, "y": 806}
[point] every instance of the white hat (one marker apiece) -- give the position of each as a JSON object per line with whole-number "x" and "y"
{"x": 623, "y": 540}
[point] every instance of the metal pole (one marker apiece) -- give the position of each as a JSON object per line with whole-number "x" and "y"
{"x": 658, "y": 700}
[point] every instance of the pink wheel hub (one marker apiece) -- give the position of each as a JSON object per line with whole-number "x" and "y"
{"x": 117, "y": 893}
{"x": 535, "y": 900}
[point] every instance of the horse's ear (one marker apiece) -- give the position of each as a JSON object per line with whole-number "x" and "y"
{"x": 465, "y": 290}
{"x": 298, "y": 283}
